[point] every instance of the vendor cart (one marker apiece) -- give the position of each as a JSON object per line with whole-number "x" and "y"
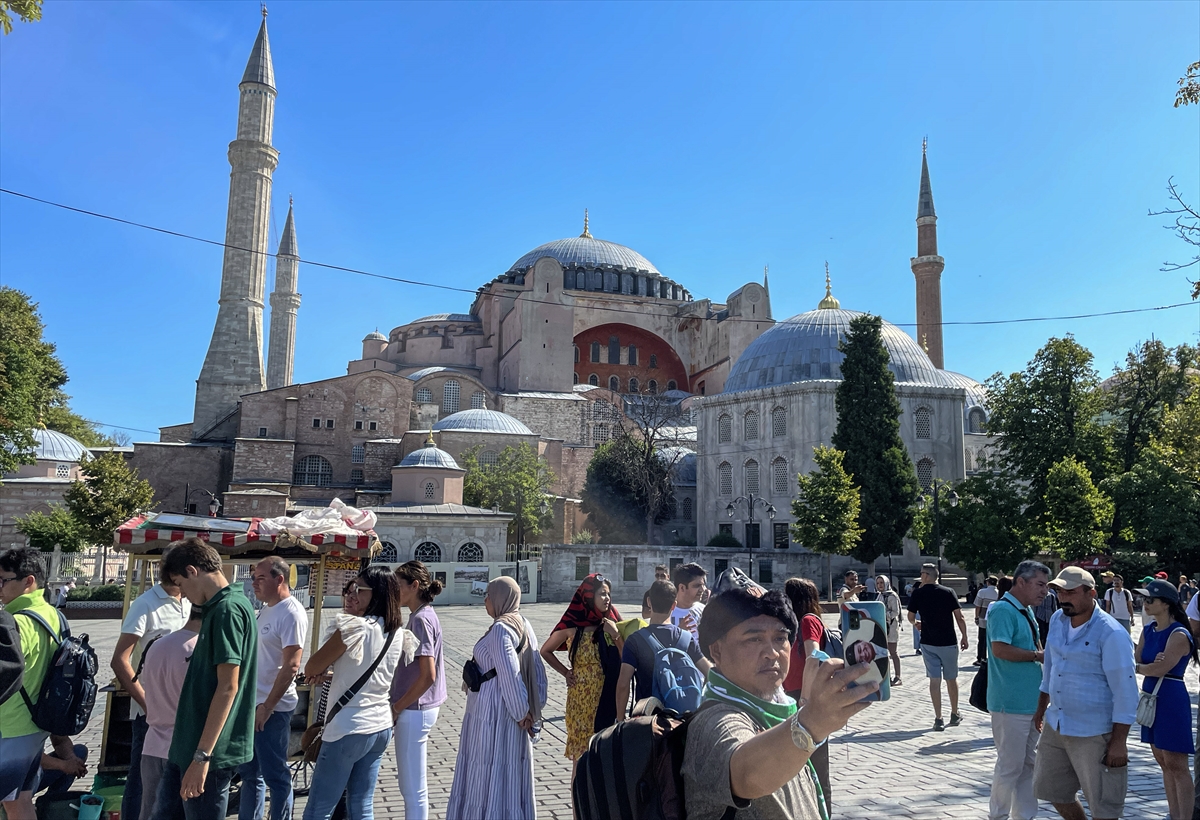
{"x": 327, "y": 561}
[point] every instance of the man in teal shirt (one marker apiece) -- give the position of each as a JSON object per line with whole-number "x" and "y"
{"x": 1014, "y": 684}
{"x": 220, "y": 684}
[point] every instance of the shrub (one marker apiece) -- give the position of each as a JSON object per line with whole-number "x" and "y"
{"x": 583, "y": 537}
{"x": 80, "y": 594}
{"x": 108, "y": 592}
{"x": 680, "y": 541}
{"x": 724, "y": 539}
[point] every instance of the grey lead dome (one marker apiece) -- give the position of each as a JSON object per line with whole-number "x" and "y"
{"x": 483, "y": 421}
{"x": 589, "y": 253}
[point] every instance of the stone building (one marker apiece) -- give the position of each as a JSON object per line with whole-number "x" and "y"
{"x": 39, "y": 486}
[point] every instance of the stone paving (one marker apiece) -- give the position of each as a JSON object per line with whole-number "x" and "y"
{"x": 887, "y": 763}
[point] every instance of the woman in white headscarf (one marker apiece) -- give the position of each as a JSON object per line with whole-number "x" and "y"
{"x": 891, "y": 602}
{"x": 506, "y": 691}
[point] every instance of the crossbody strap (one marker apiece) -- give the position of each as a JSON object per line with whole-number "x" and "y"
{"x": 349, "y": 694}
{"x": 1037, "y": 643}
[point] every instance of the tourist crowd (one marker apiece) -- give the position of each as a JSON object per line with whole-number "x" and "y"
{"x": 751, "y": 668}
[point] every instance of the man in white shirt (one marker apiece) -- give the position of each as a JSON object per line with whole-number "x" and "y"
{"x": 689, "y": 586}
{"x": 986, "y": 596}
{"x": 158, "y": 611}
{"x": 1118, "y": 602}
{"x": 282, "y": 627}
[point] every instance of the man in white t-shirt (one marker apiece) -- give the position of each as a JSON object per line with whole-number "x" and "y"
{"x": 158, "y": 611}
{"x": 689, "y": 586}
{"x": 282, "y": 627}
{"x": 1118, "y": 602}
{"x": 987, "y": 595}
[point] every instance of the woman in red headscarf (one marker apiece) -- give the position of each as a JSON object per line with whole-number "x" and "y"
{"x": 588, "y": 631}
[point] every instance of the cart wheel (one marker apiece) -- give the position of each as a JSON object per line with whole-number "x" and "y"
{"x": 301, "y": 776}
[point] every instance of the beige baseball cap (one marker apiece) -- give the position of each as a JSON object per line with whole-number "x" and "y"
{"x": 1073, "y": 578}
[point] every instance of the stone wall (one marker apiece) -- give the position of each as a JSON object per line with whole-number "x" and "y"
{"x": 20, "y": 497}
{"x": 263, "y": 459}
{"x": 558, "y": 415}
{"x": 171, "y": 467}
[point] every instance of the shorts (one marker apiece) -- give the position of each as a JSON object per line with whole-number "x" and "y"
{"x": 941, "y": 662}
{"x": 20, "y": 763}
{"x": 1067, "y": 764}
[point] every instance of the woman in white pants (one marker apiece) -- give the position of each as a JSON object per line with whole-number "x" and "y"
{"x": 419, "y": 688}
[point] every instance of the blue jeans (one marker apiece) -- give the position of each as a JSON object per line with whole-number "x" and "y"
{"x": 131, "y": 801}
{"x": 210, "y": 805}
{"x": 268, "y": 770}
{"x": 350, "y": 764}
{"x": 54, "y": 782}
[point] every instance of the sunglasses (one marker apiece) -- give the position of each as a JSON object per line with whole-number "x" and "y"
{"x": 353, "y": 589}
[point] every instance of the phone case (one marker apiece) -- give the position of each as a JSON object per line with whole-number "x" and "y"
{"x": 864, "y": 637}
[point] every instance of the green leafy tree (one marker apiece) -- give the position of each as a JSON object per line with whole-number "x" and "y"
{"x": 48, "y": 530}
{"x": 1178, "y": 439}
{"x": 30, "y": 377}
{"x": 1162, "y": 511}
{"x": 517, "y": 483}
{"x": 827, "y": 506}
{"x": 868, "y": 434}
{"x": 985, "y": 531}
{"x": 1077, "y": 513}
{"x": 109, "y": 495}
{"x": 614, "y": 495}
{"x": 1189, "y": 87}
{"x": 28, "y": 10}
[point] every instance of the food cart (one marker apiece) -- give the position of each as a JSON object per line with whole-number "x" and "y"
{"x": 329, "y": 560}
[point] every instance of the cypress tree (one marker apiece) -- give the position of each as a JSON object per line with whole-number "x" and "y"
{"x": 868, "y": 432}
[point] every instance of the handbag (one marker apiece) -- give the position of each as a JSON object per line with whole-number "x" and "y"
{"x": 979, "y": 683}
{"x": 310, "y": 741}
{"x": 1148, "y": 705}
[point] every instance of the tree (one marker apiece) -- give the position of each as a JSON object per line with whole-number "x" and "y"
{"x": 1162, "y": 511}
{"x": 1189, "y": 87}
{"x": 868, "y": 433}
{"x": 517, "y": 483}
{"x": 1186, "y": 226}
{"x": 827, "y": 506}
{"x": 28, "y": 10}
{"x": 985, "y": 531}
{"x": 614, "y": 491}
{"x": 109, "y": 495}
{"x": 1077, "y": 513}
{"x": 1178, "y": 439}
{"x": 30, "y": 377}
{"x": 1048, "y": 413}
{"x": 48, "y": 530}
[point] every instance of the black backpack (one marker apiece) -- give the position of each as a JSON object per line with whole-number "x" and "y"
{"x": 68, "y": 695}
{"x": 12, "y": 662}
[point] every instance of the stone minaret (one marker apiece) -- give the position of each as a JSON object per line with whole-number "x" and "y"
{"x": 285, "y": 301}
{"x": 234, "y": 364}
{"x": 927, "y": 268}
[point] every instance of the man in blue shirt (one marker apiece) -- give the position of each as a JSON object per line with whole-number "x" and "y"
{"x": 1014, "y": 683}
{"x": 1088, "y": 701}
{"x": 637, "y": 660}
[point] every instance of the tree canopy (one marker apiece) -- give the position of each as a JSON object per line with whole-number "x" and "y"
{"x": 985, "y": 531}
{"x": 48, "y": 530}
{"x": 614, "y": 493}
{"x": 28, "y": 10}
{"x": 827, "y": 506}
{"x": 518, "y": 483}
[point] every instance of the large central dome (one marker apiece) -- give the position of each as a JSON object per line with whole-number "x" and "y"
{"x": 589, "y": 253}
{"x": 805, "y": 347}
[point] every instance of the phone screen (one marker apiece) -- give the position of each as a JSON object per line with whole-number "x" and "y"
{"x": 864, "y": 639}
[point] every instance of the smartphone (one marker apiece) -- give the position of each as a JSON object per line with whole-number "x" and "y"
{"x": 864, "y": 637}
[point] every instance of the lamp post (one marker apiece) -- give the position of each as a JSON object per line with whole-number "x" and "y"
{"x": 214, "y": 506}
{"x": 933, "y": 495}
{"x": 543, "y": 508}
{"x": 751, "y": 501}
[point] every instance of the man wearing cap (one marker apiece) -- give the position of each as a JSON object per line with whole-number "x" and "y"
{"x": 1088, "y": 701}
{"x": 937, "y": 609}
{"x": 748, "y": 747}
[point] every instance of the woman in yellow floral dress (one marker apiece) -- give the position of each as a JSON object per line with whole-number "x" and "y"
{"x": 588, "y": 631}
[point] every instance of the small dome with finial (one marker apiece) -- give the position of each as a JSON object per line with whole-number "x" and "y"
{"x": 829, "y": 302}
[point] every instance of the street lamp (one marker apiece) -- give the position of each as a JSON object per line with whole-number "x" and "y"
{"x": 543, "y": 508}
{"x": 751, "y": 502}
{"x": 214, "y": 506}
{"x": 922, "y": 500}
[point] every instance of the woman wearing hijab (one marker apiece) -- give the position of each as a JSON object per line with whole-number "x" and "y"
{"x": 494, "y": 773}
{"x": 588, "y": 630}
{"x": 891, "y": 602}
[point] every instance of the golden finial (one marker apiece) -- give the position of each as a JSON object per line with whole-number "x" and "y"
{"x": 264, "y": 11}
{"x": 586, "y": 233}
{"x": 429, "y": 442}
{"x": 829, "y": 302}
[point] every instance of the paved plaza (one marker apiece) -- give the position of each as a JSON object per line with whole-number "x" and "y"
{"x": 887, "y": 763}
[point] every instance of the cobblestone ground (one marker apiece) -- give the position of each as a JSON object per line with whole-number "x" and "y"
{"x": 887, "y": 763}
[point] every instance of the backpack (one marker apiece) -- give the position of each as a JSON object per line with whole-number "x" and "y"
{"x": 633, "y": 770}
{"x": 677, "y": 681}
{"x": 12, "y": 662}
{"x": 68, "y": 695}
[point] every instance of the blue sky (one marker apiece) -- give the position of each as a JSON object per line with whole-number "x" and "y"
{"x": 440, "y": 142}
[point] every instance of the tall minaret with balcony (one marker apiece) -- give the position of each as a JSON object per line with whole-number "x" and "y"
{"x": 285, "y": 301}
{"x": 927, "y": 268}
{"x": 234, "y": 364}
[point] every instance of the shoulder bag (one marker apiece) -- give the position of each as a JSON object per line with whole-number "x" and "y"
{"x": 979, "y": 683}
{"x": 1148, "y": 701}
{"x": 310, "y": 743}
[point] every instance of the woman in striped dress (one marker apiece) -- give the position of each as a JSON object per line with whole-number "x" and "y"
{"x": 493, "y": 777}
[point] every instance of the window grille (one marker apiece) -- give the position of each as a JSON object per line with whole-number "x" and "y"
{"x": 594, "y": 380}
{"x": 316, "y": 424}
{"x": 752, "y": 477}
{"x": 389, "y": 554}
{"x": 470, "y": 553}
{"x": 312, "y": 471}
{"x": 976, "y": 420}
{"x": 925, "y": 472}
{"x": 358, "y": 454}
{"x": 780, "y": 481}
{"x": 450, "y": 396}
{"x": 750, "y": 425}
{"x": 62, "y": 470}
{"x": 686, "y": 509}
{"x": 373, "y": 426}
{"x": 725, "y": 478}
{"x": 356, "y": 476}
{"x": 614, "y": 384}
{"x": 488, "y": 458}
{"x": 424, "y": 395}
{"x": 329, "y": 424}
{"x": 478, "y": 401}
{"x": 599, "y": 433}
{"x": 428, "y": 552}
{"x": 429, "y": 490}
{"x": 778, "y": 422}
{"x": 725, "y": 429}
{"x": 970, "y": 459}
{"x": 358, "y": 425}
{"x": 574, "y": 378}
{"x": 766, "y": 571}
{"x": 262, "y": 432}
{"x": 923, "y": 420}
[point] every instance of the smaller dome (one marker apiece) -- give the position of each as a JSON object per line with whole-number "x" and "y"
{"x": 483, "y": 421}
{"x": 447, "y": 317}
{"x": 55, "y": 446}
{"x": 375, "y": 337}
{"x": 417, "y": 375}
{"x": 430, "y": 456}
{"x": 683, "y": 463}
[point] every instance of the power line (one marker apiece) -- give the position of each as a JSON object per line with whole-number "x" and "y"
{"x": 418, "y": 283}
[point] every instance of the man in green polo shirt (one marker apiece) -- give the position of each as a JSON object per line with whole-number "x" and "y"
{"x": 1014, "y": 685}
{"x": 220, "y": 684}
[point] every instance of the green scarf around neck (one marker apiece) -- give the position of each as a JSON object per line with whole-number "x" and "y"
{"x": 768, "y": 713}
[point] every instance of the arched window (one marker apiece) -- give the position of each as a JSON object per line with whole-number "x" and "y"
{"x": 672, "y": 385}
{"x": 653, "y": 361}
{"x": 725, "y": 429}
{"x": 923, "y": 421}
{"x": 594, "y": 380}
{"x": 778, "y": 422}
{"x": 427, "y": 552}
{"x": 750, "y": 425}
{"x": 488, "y": 458}
{"x": 423, "y": 396}
{"x": 312, "y": 471}
{"x": 614, "y": 384}
{"x": 633, "y": 385}
{"x": 969, "y": 454}
{"x": 574, "y": 378}
{"x": 389, "y": 554}
{"x": 725, "y": 477}
{"x": 976, "y": 420}
{"x": 576, "y": 353}
{"x": 430, "y": 489}
{"x": 633, "y": 355}
{"x": 595, "y": 351}
{"x": 614, "y": 350}
{"x": 358, "y": 454}
{"x": 652, "y": 386}
{"x": 478, "y": 401}
{"x": 925, "y": 472}
{"x": 752, "y": 476}
{"x": 450, "y": 396}
{"x": 599, "y": 433}
{"x": 780, "y": 480}
{"x": 470, "y": 553}
{"x": 685, "y": 509}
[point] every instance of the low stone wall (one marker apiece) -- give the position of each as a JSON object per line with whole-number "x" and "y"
{"x": 89, "y": 610}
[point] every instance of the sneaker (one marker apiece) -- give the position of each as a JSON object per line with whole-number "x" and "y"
{"x": 939, "y": 725}
{"x": 955, "y": 718}
{"x": 896, "y": 682}
{"x": 918, "y": 651}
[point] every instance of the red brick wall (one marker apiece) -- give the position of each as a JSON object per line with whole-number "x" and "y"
{"x": 670, "y": 367}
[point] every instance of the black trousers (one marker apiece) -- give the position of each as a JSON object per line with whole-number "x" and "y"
{"x": 981, "y": 652}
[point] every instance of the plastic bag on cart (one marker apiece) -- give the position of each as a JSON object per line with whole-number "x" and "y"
{"x": 361, "y": 520}
{"x": 337, "y": 519}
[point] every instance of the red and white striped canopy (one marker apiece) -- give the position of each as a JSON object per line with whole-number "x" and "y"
{"x": 133, "y": 537}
